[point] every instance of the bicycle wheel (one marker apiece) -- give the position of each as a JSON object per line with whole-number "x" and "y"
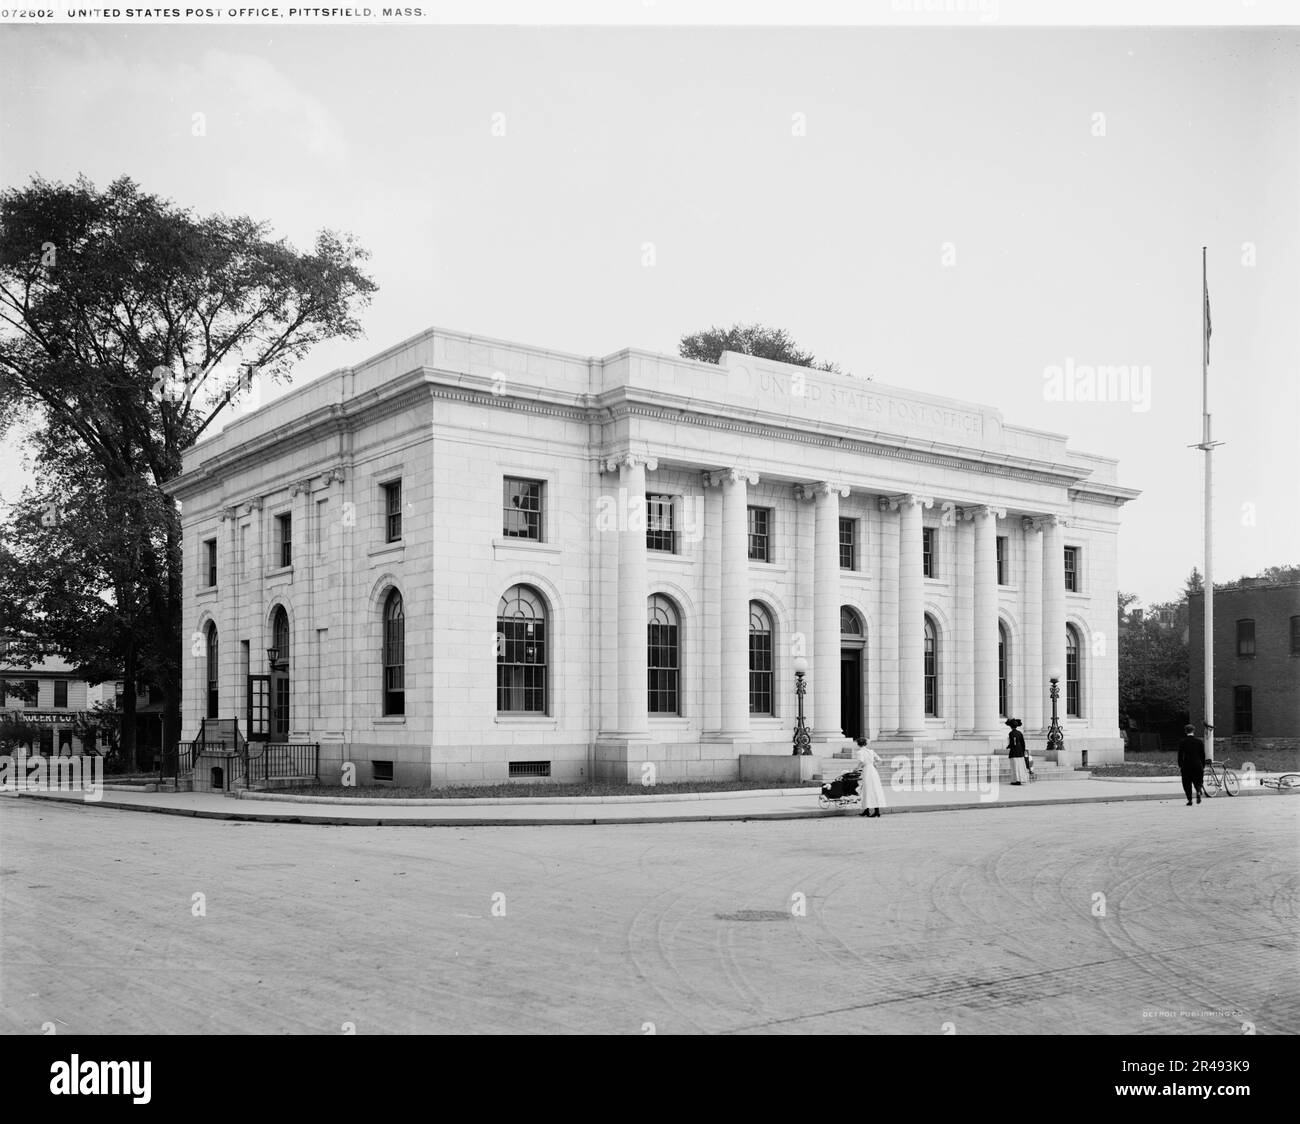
{"x": 1211, "y": 781}
{"x": 1230, "y": 782}
{"x": 1288, "y": 782}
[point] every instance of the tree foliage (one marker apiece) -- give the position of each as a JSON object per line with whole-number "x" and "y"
{"x": 127, "y": 325}
{"x": 708, "y": 345}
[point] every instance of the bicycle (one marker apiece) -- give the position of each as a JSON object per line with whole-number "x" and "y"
{"x": 1219, "y": 778}
{"x": 1287, "y": 782}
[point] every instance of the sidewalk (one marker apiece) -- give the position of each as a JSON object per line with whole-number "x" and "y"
{"x": 765, "y": 804}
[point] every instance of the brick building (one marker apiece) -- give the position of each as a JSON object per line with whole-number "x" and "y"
{"x": 1256, "y": 663}
{"x": 466, "y": 560}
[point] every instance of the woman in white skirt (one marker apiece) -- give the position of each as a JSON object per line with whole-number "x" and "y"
{"x": 873, "y": 792}
{"x": 1016, "y": 752}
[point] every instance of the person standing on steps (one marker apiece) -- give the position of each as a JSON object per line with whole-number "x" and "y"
{"x": 1191, "y": 764}
{"x": 1016, "y": 752}
{"x": 873, "y": 792}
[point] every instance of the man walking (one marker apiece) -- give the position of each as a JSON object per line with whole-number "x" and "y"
{"x": 1191, "y": 764}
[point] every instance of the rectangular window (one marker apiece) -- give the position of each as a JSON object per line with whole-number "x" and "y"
{"x": 662, "y": 669}
{"x": 1246, "y": 638}
{"x": 927, "y": 551}
{"x": 660, "y": 532}
{"x": 210, "y": 556}
{"x": 521, "y": 509}
{"x": 1243, "y": 718}
{"x": 2, "y": 693}
{"x": 848, "y": 544}
{"x": 47, "y": 741}
{"x": 284, "y": 528}
{"x": 393, "y": 511}
{"x": 1002, "y": 560}
{"x": 1072, "y": 569}
{"x": 760, "y": 672}
{"x": 381, "y": 771}
{"x": 31, "y": 692}
{"x": 1295, "y": 636}
{"x": 1072, "y": 682}
{"x": 760, "y": 534}
{"x": 60, "y": 693}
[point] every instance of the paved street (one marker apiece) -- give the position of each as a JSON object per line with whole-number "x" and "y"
{"x": 983, "y": 919}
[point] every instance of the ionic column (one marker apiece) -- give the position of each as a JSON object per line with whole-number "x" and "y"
{"x": 825, "y": 720}
{"x": 886, "y": 647}
{"x": 303, "y": 670}
{"x": 230, "y": 691}
{"x": 911, "y": 616}
{"x": 964, "y": 669}
{"x": 1033, "y": 685}
{"x": 986, "y": 618}
{"x": 734, "y": 623}
{"x": 632, "y": 585}
{"x": 1053, "y": 606}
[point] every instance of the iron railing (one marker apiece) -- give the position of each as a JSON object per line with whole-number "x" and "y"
{"x": 274, "y": 760}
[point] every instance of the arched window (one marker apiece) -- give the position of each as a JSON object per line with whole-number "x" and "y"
{"x": 760, "y": 659}
{"x": 931, "y": 669}
{"x": 213, "y": 700}
{"x": 850, "y": 623}
{"x": 280, "y": 633}
{"x": 280, "y": 676}
{"x": 521, "y": 652}
{"x": 1003, "y": 648}
{"x": 663, "y": 658}
{"x": 1071, "y": 671}
{"x": 394, "y": 654}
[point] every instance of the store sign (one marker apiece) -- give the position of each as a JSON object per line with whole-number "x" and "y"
{"x": 49, "y": 717}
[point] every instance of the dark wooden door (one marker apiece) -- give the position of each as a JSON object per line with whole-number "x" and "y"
{"x": 851, "y": 692}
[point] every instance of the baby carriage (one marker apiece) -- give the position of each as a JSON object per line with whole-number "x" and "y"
{"x": 843, "y": 792}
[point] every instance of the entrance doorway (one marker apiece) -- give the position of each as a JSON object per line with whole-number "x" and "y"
{"x": 851, "y": 693}
{"x": 259, "y": 708}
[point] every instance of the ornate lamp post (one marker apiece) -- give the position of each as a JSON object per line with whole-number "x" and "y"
{"x": 802, "y": 736}
{"x": 1055, "y": 738}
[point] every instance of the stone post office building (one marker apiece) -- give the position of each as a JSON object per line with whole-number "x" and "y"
{"x": 475, "y": 559}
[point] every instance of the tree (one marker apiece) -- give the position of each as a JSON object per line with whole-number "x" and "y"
{"x": 1153, "y": 663}
{"x": 748, "y": 339}
{"x": 73, "y": 581}
{"x": 127, "y": 324}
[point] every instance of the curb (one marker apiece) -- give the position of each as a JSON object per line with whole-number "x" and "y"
{"x": 520, "y": 801}
{"x": 377, "y": 821}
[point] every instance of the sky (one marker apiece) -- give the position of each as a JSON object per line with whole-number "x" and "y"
{"x": 955, "y": 210}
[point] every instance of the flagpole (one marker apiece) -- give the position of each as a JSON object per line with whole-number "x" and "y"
{"x": 1207, "y": 444}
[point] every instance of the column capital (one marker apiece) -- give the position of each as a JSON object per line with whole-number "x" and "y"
{"x": 983, "y": 510}
{"x": 628, "y": 460}
{"x": 897, "y": 503}
{"x": 1043, "y": 522}
{"x": 718, "y": 477}
{"x": 231, "y": 512}
{"x": 253, "y": 505}
{"x": 337, "y": 474}
{"x": 821, "y": 488}
{"x": 300, "y": 487}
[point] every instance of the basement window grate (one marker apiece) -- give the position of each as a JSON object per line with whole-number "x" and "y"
{"x": 381, "y": 770}
{"x": 530, "y": 768}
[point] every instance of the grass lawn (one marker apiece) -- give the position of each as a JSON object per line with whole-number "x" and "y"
{"x": 1164, "y": 763}
{"x": 537, "y": 788}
